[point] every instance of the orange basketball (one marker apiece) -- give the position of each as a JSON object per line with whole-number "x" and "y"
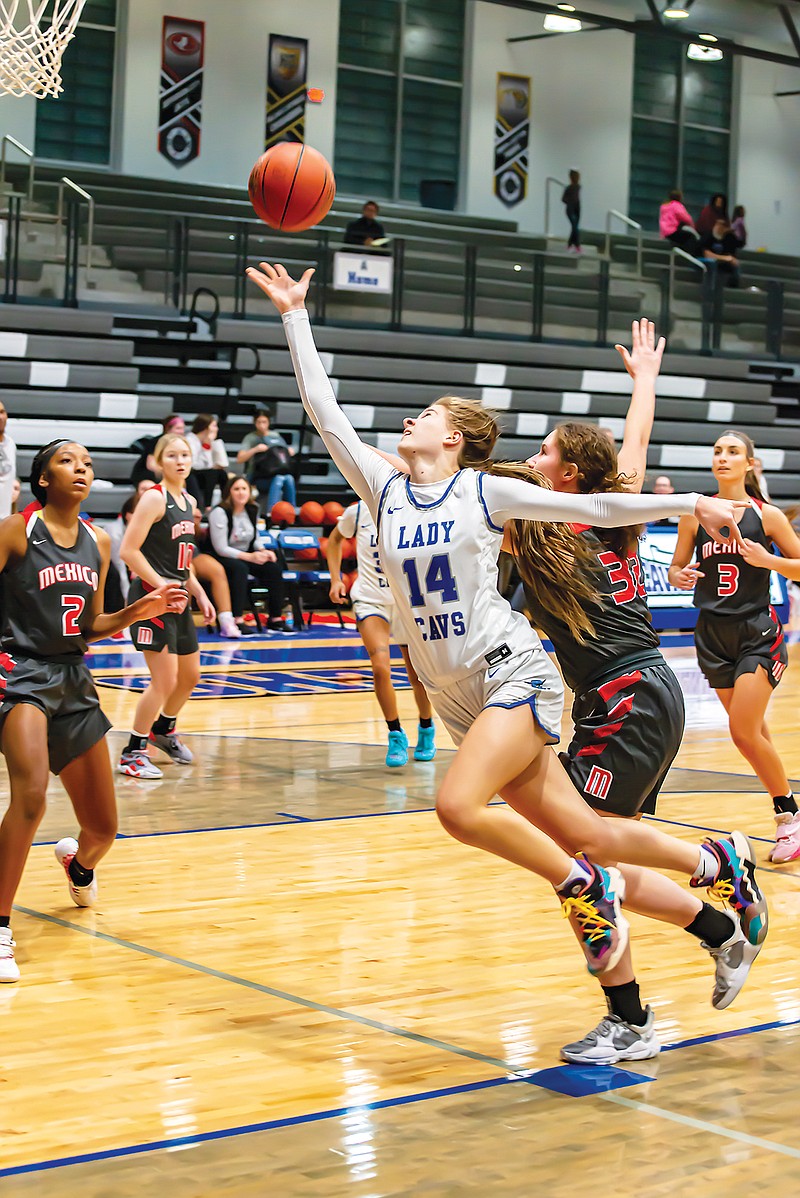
{"x": 311, "y": 513}
{"x": 282, "y": 513}
{"x": 323, "y": 546}
{"x": 311, "y": 554}
{"x": 349, "y": 549}
{"x": 332, "y": 511}
{"x": 291, "y": 187}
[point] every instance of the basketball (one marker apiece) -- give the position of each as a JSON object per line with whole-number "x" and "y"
{"x": 323, "y": 546}
{"x": 282, "y": 513}
{"x": 310, "y": 554}
{"x": 349, "y": 549}
{"x": 311, "y": 513}
{"x": 291, "y": 187}
{"x": 331, "y": 511}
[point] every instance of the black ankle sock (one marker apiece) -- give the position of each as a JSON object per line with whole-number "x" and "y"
{"x": 425, "y": 723}
{"x": 79, "y": 875}
{"x": 784, "y": 803}
{"x": 623, "y": 1001}
{"x": 394, "y": 725}
{"x": 136, "y": 743}
{"x": 5, "y": 921}
{"x": 165, "y": 725}
{"x": 711, "y": 926}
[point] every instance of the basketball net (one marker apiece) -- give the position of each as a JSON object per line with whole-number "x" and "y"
{"x": 30, "y": 51}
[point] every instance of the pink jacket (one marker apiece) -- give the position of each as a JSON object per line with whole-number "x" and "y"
{"x": 671, "y": 216}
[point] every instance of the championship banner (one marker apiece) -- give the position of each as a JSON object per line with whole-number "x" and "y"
{"x": 286, "y": 89}
{"x": 180, "y": 99}
{"x": 511, "y": 129}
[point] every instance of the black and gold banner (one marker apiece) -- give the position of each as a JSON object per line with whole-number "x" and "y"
{"x": 286, "y": 89}
{"x": 511, "y": 130}
{"x": 180, "y": 98}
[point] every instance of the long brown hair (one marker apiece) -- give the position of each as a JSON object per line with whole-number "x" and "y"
{"x": 554, "y": 562}
{"x": 594, "y": 456}
{"x": 478, "y": 425}
{"x": 750, "y": 479}
{"x": 251, "y": 507}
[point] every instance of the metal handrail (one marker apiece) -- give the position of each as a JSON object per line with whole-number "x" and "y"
{"x": 24, "y": 150}
{"x": 550, "y": 179}
{"x": 65, "y": 182}
{"x": 613, "y": 214}
{"x": 679, "y": 253}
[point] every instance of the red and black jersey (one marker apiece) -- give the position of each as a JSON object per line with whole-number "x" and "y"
{"x": 730, "y": 586}
{"x": 621, "y": 619}
{"x": 48, "y": 594}
{"x": 169, "y": 545}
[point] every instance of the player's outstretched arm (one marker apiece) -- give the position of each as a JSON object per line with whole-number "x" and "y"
{"x": 13, "y": 539}
{"x": 169, "y": 597}
{"x": 148, "y": 510}
{"x": 643, "y": 363}
{"x": 333, "y": 554}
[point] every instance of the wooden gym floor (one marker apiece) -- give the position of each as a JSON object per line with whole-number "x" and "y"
{"x": 297, "y": 985}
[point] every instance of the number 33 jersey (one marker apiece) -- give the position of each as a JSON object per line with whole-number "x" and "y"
{"x": 439, "y": 551}
{"x": 48, "y": 594}
{"x": 730, "y": 586}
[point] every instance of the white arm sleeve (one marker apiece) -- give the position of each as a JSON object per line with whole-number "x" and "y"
{"x": 347, "y": 521}
{"x": 365, "y": 471}
{"x": 515, "y": 499}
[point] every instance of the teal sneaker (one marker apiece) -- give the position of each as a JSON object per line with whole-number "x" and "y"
{"x": 397, "y": 753}
{"x": 426, "y": 749}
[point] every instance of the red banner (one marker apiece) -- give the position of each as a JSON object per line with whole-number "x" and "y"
{"x": 180, "y": 99}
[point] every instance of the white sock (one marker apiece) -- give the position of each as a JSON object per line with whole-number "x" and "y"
{"x": 707, "y": 866}
{"x": 579, "y": 872}
{"x": 225, "y": 617}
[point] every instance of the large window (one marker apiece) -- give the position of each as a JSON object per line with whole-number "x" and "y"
{"x": 680, "y": 135}
{"x": 399, "y": 94}
{"x": 76, "y": 126}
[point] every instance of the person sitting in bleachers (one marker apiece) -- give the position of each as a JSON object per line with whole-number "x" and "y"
{"x": 367, "y": 230}
{"x": 716, "y": 209}
{"x": 738, "y": 226}
{"x": 719, "y": 246}
{"x": 209, "y": 458}
{"x": 676, "y": 225}
{"x": 266, "y": 458}
{"x": 663, "y": 486}
{"x": 145, "y": 465}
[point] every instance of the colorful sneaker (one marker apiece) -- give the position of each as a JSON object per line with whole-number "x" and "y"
{"x": 614, "y": 1040}
{"x": 397, "y": 752}
{"x": 593, "y": 909}
{"x": 732, "y": 961}
{"x": 736, "y": 884}
{"x": 426, "y": 748}
{"x": 82, "y": 896}
{"x": 9, "y": 970}
{"x": 787, "y": 840}
{"x": 138, "y": 765}
{"x": 173, "y": 746}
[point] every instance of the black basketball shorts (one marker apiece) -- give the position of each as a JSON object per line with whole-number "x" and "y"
{"x": 729, "y": 646}
{"x": 627, "y": 732}
{"x": 173, "y": 631}
{"x": 67, "y": 696}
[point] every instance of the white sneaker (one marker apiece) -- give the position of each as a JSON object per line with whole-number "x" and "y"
{"x": 138, "y": 765}
{"x": 82, "y": 896}
{"x": 614, "y": 1040}
{"x": 732, "y": 961}
{"x": 787, "y": 838}
{"x": 230, "y": 630}
{"x": 9, "y": 970}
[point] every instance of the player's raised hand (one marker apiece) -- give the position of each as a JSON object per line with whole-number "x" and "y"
{"x": 718, "y": 518}
{"x": 169, "y": 597}
{"x": 286, "y": 293}
{"x": 645, "y": 354}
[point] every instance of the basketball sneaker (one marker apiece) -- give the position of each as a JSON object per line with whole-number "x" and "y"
{"x": 426, "y": 748}
{"x": 171, "y": 744}
{"x": 82, "y": 896}
{"x": 787, "y": 840}
{"x": 732, "y": 961}
{"x": 614, "y": 1040}
{"x": 397, "y": 752}
{"x": 735, "y": 884}
{"x": 9, "y": 970}
{"x": 592, "y": 906}
{"x": 138, "y": 765}
{"x": 229, "y": 629}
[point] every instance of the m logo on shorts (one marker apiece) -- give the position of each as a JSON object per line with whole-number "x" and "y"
{"x": 144, "y": 636}
{"x": 598, "y": 784}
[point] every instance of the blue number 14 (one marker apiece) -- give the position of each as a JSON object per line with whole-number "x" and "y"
{"x": 438, "y": 577}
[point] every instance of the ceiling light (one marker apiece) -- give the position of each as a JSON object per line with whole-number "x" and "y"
{"x": 566, "y": 7}
{"x": 704, "y": 53}
{"x": 555, "y": 23}
{"x": 707, "y": 37}
{"x": 675, "y": 14}
{"x": 517, "y": 266}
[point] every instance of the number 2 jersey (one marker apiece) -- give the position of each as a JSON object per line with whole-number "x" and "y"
{"x": 371, "y": 586}
{"x": 440, "y": 556}
{"x": 730, "y": 586}
{"x": 48, "y": 594}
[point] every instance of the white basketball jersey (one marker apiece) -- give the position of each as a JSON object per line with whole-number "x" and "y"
{"x": 371, "y": 586}
{"x": 439, "y": 551}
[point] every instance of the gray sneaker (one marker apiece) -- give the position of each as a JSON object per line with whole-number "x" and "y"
{"x": 732, "y": 961}
{"x": 614, "y": 1040}
{"x": 173, "y": 746}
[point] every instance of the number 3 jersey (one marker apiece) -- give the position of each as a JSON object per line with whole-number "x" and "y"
{"x": 48, "y": 594}
{"x": 371, "y": 586}
{"x": 730, "y": 586}
{"x": 439, "y": 550}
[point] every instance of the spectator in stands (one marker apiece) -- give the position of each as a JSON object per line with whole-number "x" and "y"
{"x": 233, "y": 532}
{"x": 145, "y": 465}
{"x": 719, "y": 246}
{"x": 676, "y": 225}
{"x": 8, "y": 466}
{"x": 209, "y": 458}
{"x": 571, "y": 199}
{"x": 663, "y": 486}
{"x": 715, "y": 209}
{"x": 266, "y": 458}
{"x": 367, "y": 229}
{"x": 761, "y": 478}
{"x": 738, "y": 227}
